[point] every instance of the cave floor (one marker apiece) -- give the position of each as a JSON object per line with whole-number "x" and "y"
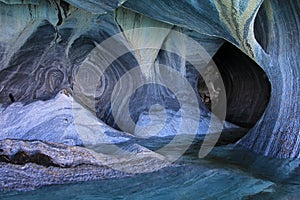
{"x": 226, "y": 173}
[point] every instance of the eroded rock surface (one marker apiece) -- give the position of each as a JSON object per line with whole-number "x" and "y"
{"x": 25, "y": 165}
{"x": 44, "y": 44}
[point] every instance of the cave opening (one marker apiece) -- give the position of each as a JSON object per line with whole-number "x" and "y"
{"x": 246, "y": 84}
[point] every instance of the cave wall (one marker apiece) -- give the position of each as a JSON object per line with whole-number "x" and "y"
{"x": 42, "y": 44}
{"x": 55, "y": 47}
{"x": 277, "y": 29}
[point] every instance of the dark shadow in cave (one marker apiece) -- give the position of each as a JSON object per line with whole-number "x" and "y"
{"x": 21, "y": 158}
{"x": 247, "y": 86}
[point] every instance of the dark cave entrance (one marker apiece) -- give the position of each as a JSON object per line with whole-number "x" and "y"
{"x": 246, "y": 84}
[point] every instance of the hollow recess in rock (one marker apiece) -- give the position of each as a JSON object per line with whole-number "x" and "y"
{"x": 262, "y": 29}
{"x": 21, "y": 158}
{"x": 247, "y": 86}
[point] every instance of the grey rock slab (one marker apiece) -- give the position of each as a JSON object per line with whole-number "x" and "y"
{"x": 26, "y": 165}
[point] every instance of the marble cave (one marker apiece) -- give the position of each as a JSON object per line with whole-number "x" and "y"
{"x": 149, "y": 99}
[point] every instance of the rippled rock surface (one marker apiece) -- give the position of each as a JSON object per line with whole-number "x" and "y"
{"x": 70, "y": 73}
{"x": 28, "y": 165}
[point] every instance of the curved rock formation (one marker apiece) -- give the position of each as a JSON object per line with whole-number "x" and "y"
{"x": 44, "y": 45}
{"x": 276, "y": 29}
{"x": 277, "y": 132}
{"x": 247, "y": 86}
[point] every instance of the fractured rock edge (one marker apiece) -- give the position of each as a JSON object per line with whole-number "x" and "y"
{"x": 60, "y": 164}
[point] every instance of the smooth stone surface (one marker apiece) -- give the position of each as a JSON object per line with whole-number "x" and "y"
{"x": 43, "y": 44}
{"x": 42, "y": 47}
{"x": 94, "y": 6}
{"x": 272, "y": 41}
{"x": 277, "y": 133}
{"x": 33, "y": 2}
{"x": 60, "y": 120}
{"x": 51, "y": 56}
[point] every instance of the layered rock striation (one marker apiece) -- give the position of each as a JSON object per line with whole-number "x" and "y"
{"x": 71, "y": 73}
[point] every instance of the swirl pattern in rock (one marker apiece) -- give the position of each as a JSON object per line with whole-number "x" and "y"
{"x": 44, "y": 43}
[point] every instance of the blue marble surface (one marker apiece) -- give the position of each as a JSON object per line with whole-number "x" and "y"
{"x": 43, "y": 44}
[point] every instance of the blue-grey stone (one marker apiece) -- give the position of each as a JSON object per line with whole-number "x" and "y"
{"x": 60, "y": 120}
{"x": 43, "y": 44}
